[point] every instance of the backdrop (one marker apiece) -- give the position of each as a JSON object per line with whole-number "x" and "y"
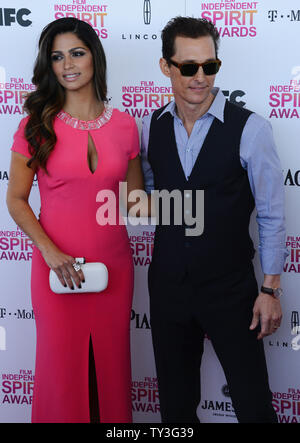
{"x": 260, "y": 70}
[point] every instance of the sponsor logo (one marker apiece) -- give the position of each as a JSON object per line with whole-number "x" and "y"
{"x": 292, "y": 178}
{"x": 15, "y": 246}
{"x": 13, "y": 94}
{"x": 232, "y": 19}
{"x": 147, "y": 12}
{"x": 219, "y": 408}
{"x": 142, "y": 248}
{"x": 142, "y": 99}
{"x": 284, "y": 99}
{"x": 140, "y": 321}
{"x": 94, "y": 14}
{"x": 235, "y": 97}
{"x": 20, "y": 314}
{"x": 287, "y": 405}
{"x": 8, "y": 16}
{"x": 144, "y": 395}
{"x": 293, "y": 342}
{"x": 292, "y": 263}
{"x": 293, "y": 15}
{"x": 295, "y": 330}
{"x": 141, "y": 35}
{"x": 17, "y": 388}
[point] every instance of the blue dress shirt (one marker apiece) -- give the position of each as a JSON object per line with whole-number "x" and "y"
{"x": 258, "y": 156}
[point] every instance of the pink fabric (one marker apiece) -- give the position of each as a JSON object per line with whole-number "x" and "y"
{"x": 65, "y": 323}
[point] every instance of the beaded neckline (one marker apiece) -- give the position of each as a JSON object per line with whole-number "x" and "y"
{"x": 87, "y": 125}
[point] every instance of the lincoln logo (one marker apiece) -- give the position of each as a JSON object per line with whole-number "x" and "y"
{"x": 295, "y": 323}
{"x": 147, "y": 12}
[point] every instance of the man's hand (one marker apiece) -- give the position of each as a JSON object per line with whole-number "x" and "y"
{"x": 266, "y": 311}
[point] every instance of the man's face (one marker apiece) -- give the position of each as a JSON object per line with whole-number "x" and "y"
{"x": 191, "y": 90}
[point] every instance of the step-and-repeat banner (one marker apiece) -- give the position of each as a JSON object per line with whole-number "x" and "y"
{"x": 260, "y": 70}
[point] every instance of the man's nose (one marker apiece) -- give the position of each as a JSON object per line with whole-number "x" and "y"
{"x": 200, "y": 76}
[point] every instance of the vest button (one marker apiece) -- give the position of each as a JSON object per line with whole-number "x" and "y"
{"x": 187, "y": 244}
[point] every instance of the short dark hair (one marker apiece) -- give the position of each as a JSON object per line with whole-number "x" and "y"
{"x": 186, "y": 27}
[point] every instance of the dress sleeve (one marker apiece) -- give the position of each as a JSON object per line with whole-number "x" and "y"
{"x": 20, "y": 144}
{"x": 135, "y": 143}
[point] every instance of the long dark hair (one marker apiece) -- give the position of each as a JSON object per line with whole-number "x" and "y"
{"x": 47, "y": 100}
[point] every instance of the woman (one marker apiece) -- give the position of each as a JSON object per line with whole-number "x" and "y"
{"x": 77, "y": 145}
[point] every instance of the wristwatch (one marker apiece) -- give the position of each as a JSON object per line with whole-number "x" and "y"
{"x": 274, "y": 292}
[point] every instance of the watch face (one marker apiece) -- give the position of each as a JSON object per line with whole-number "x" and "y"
{"x": 278, "y": 292}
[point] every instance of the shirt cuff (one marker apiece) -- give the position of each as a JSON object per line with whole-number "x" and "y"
{"x": 272, "y": 260}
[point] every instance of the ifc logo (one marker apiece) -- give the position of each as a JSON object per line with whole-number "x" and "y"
{"x": 10, "y": 15}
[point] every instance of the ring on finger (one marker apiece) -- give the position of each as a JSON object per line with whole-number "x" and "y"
{"x": 76, "y": 266}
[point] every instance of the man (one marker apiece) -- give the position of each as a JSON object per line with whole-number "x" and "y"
{"x": 205, "y": 284}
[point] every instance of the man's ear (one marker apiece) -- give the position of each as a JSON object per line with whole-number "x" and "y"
{"x": 165, "y": 68}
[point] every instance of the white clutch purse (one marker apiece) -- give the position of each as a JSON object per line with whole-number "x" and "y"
{"x": 95, "y": 275}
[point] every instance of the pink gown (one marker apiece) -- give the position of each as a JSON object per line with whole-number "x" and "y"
{"x": 65, "y": 323}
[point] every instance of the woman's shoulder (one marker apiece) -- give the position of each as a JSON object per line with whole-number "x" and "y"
{"x": 123, "y": 116}
{"x": 23, "y": 122}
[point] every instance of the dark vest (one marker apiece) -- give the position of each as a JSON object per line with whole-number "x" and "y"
{"x": 225, "y": 243}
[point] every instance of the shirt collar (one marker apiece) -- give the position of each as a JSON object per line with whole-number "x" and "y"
{"x": 216, "y": 108}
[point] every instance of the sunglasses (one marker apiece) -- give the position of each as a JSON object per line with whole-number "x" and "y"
{"x": 190, "y": 69}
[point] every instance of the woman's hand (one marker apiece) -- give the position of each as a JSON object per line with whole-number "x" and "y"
{"x": 62, "y": 265}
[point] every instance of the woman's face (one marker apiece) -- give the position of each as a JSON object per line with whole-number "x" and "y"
{"x": 72, "y": 62}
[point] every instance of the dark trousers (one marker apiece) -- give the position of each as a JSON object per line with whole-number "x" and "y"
{"x": 181, "y": 313}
